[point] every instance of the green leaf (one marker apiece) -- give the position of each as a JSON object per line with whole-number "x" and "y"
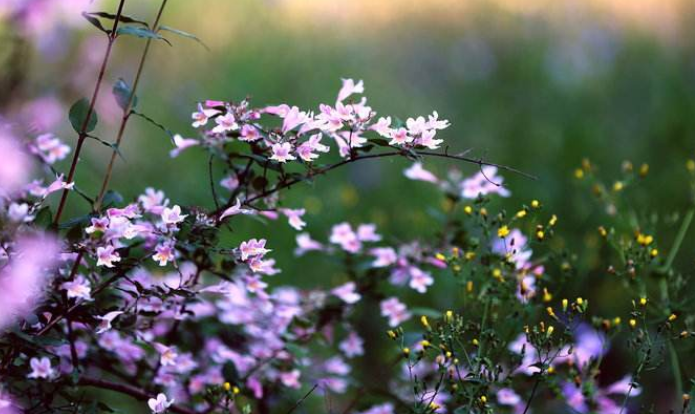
{"x": 140, "y": 32}
{"x": 153, "y": 122}
{"x": 44, "y": 218}
{"x": 183, "y": 34}
{"x": 112, "y": 198}
{"x": 108, "y": 144}
{"x": 122, "y": 18}
{"x": 380, "y": 142}
{"x": 78, "y": 115}
{"x": 95, "y": 22}
{"x": 429, "y": 312}
{"x": 122, "y": 93}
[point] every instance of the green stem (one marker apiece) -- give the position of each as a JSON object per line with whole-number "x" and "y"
{"x": 678, "y": 241}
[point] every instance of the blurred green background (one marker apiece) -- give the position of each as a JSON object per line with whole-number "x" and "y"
{"x": 535, "y": 84}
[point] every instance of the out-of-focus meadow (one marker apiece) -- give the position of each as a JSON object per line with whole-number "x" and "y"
{"x": 535, "y": 84}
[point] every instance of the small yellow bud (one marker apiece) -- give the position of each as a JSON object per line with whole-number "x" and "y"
{"x": 684, "y": 334}
{"x": 617, "y": 186}
{"x": 425, "y": 322}
{"x": 547, "y": 296}
{"x": 644, "y": 170}
{"x": 551, "y": 370}
{"x": 672, "y": 317}
{"x": 535, "y": 204}
{"x": 456, "y": 252}
{"x": 483, "y": 399}
{"x": 578, "y": 173}
{"x": 580, "y": 301}
{"x": 617, "y": 320}
{"x": 448, "y": 354}
{"x": 565, "y": 302}
{"x": 236, "y": 390}
{"x": 475, "y": 342}
{"x": 497, "y": 274}
{"x": 456, "y": 268}
{"x": 406, "y": 352}
{"x": 643, "y": 301}
{"x": 449, "y": 316}
{"x": 227, "y": 386}
{"x": 550, "y": 330}
{"x": 690, "y": 165}
{"x": 654, "y": 252}
{"x": 553, "y": 220}
{"x": 440, "y": 256}
{"x": 540, "y": 235}
{"x": 633, "y": 323}
{"x": 425, "y": 343}
{"x": 602, "y": 231}
{"x": 469, "y": 256}
{"x": 468, "y": 210}
{"x": 469, "y": 286}
{"x": 391, "y": 334}
{"x": 434, "y": 406}
{"x": 483, "y": 211}
{"x": 521, "y": 214}
{"x": 503, "y": 232}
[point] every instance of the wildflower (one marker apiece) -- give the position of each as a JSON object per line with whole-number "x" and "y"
{"x": 249, "y": 133}
{"x": 105, "y": 321}
{"x": 225, "y": 123}
{"x": 305, "y": 243}
{"x": 503, "y": 232}
{"x": 419, "y": 280}
{"x": 40, "y": 368}
{"x": 253, "y": 247}
{"x": 535, "y": 204}
{"x": 181, "y": 144}
{"x": 153, "y": 201}
{"x": 306, "y": 149}
{"x": 172, "y": 216}
{"x": 50, "y": 148}
{"x": 347, "y": 293}
{"x": 160, "y": 404}
{"x": 167, "y": 355}
{"x": 201, "y": 117}
{"x": 164, "y": 253}
{"x": 349, "y": 87}
{"x": 295, "y": 217}
{"x": 416, "y": 172}
{"x": 400, "y": 137}
{"x": 293, "y": 118}
{"x": 106, "y": 256}
{"x": 290, "y": 379}
{"x": 395, "y": 311}
{"x": 507, "y": 396}
{"x": 483, "y": 183}
{"x": 78, "y": 288}
{"x": 19, "y": 212}
{"x": 352, "y": 346}
{"x": 281, "y": 152}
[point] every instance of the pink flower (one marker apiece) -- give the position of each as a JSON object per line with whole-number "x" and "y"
{"x": 349, "y": 87}
{"x": 50, "y": 148}
{"x": 201, "y": 117}
{"x": 78, "y": 288}
{"x": 290, "y": 379}
{"x": 427, "y": 139}
{"x": 507, "y": 396}
{"x": 164, "y": 253}
{"x": 249, "y": 133}
{"x": 15, "y": 165}
{"x": 153, "y": 201}
{"x": 181, "y": 144}
{"x": 295, "y": 217}
{"x": 281, "y": 152}
{"x": 167, "y": 354}
{"x": 225, "y": 123}
{"x": 107, "y": 255}
{"x": 105, "y": 321}
{"x": 252, "y": 247}
{"x": 367, "y": 233}
{"x": 267, "y": 267}
{"x": 395, "y": 311}
{"x": 100, "y": 225}
{"x": 400, "y": 137}
{"x": 385, "y": 256}
{"x": 416, "y": 172}
{"x": 347, "y": 293}
{"x": 483, "y": 183}
{"x": 343, "y": 235}
{"x": 22, "y": 277}
{"x": 306, "y": 149}
{"x": 305, "y": 243}
{"x": 352, "y": 346}
{"x": 230, "y": 183}
{"x": 172, "y": 216}
{"x": 40, "y": 368}
{"x": 160, "y": 404}
{"x": 293, "y": 118}
{"x": 419, "y": 280}
{"x": 234, "y": 210}
{"x": 383, "y": 127}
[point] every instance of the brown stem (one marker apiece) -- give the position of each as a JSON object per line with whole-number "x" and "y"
{"x": 126, "y": 111}
{"x": 82, "y": 135}
{"x": 134, "y": 392}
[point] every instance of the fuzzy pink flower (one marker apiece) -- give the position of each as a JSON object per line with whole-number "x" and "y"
{"x": 483, "y": 183}
{"x": 249, "y": 133}
{"x": 201, "y": 117}
{"x": 225, "y": 123}
{"x": 172, "y": 216}
{"x": 347, "y": 293}
{"x": 282, "y": 152}
{"x": 105, "y": 321}
{"x": 349, "y": 87}
{"x": 107, "y": 255}
{"x": 252, "y": 247}
{"x": 417, "y": 172}
{"x": 181, "y": 144}
{"x": 395, "y": 311}
{"x": 294, "y": 217}
{"x": 160, "y": 404}
{"x": 78, "y": 288}
{"x": 41, "y": 368}
{"x": 164, "y": 253}
{"x": 352, "y": 346}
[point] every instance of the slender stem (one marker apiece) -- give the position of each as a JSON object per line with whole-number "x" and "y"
{"x": 134, "y": 392}
{"x": 676, "y": 366}
{"x": 685, "y": 225}
{"x": 127, "y": 110}
{"x": 82, "y": 135}
{"x": 533, "y": 393}
{"x": 301, "y": 400}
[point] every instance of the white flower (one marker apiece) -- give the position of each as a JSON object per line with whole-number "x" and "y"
{"x": 105, "y": 321}
{"x": 159, "y": 404}
{"x": 41, "y": 368}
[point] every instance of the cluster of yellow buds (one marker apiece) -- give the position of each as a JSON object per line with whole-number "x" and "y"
{"x": 644, "y": 239}
{"x": 553, "y": 221}
{"x": 229, "y": 387}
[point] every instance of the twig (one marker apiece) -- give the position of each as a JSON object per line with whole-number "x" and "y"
{"x": 301, "y": 400}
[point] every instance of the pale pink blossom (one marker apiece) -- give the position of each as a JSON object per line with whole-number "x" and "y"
{"x": 107, "y": 255}
{"x": 306, "y": 149}
{"x": 50, "y": 148}
{"x": 153, "y": 201}
{"x": 230, "y": 183}
{"x": 105, "y": 321}
{"x": 305, "y": 244}
{"x": 15, "y": 165}
{"x": 367, "y": 233}
{"x": 400, "y": 137}
{"x": 225, "y": 123}
{"x": 349, "y": 87}
{"x": 249, "y": 133}
{"x": 167, "y": 354}
{"x": 420, "y": 280}
{"x": 294, "y": 217}
{"x": 483, "y": 183}
{"x": 395, "y": 311}
{"x": 160, "y": 404}
{"x": 172, "y": 216}
{"x": 383, "y": 127}
{"x": 200, "y": 118}
{"x": 181, "y": 144}
{"x": 290, "y": 379}
{"x": 282, "y": 152}
{"x": 427, "y": 139}
{"x": 78, "y": 288}
{"x": 417, "y": 172}
{"x": 164, "y": 253}
{"x": 385, "y": 256}
{"x": 41, "y": 368}
{"x": 99, "y": 224}
{"x": 352, "y": 346}
{"x": 252, "y": 247}
{"x": 293, "y": 118}
{"x": 347, "y": 293}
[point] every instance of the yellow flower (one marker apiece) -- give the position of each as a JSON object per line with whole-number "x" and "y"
{"x": 227, "y": 386}
{"x": 553, "y": 220}
{"x": 617, "y": 186}
{"x": 425, "y": 322}
{"x": 633, "y": 323}
{"x": 440, "y": 256}
{"x": 602, "y": 231}
{"x": 654, "y": 252}
{"x": 643, "y": 301}
{"x": 644, "y": 170}
{"x": 535, "y": 204}
{"x": 468, "y": 210}
{"x": 521, "y": 214}
{"x": 578, "y": 173}
{"x": 672, "y": 317}
{"x": 503, "y": 232}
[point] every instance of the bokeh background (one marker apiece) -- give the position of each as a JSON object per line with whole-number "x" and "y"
{"x": 536, "y": 84}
